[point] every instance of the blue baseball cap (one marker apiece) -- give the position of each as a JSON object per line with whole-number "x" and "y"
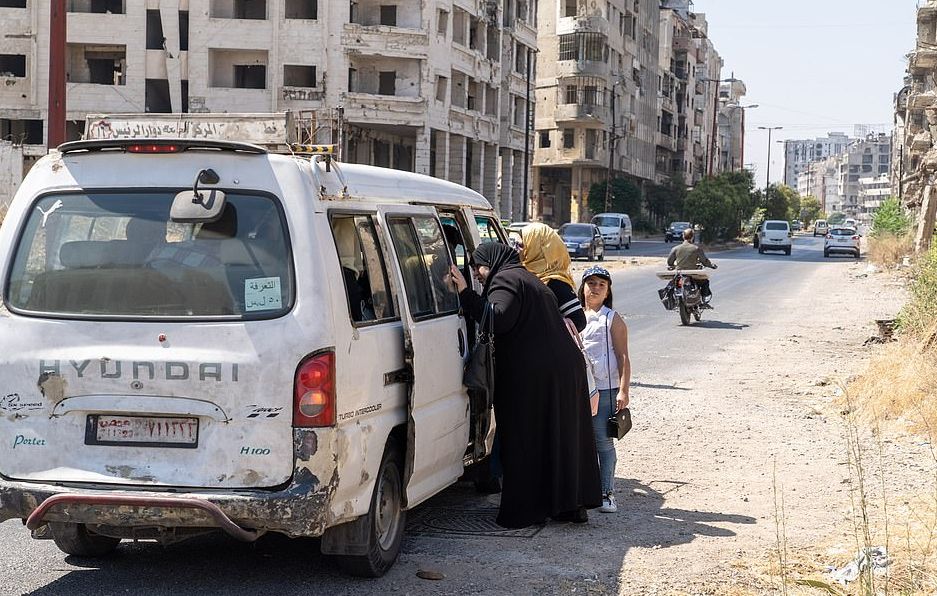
{"x": 596, "y": 271}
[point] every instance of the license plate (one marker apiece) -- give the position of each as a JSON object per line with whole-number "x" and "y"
{"x": 572, "y": 250}
{"x": 142, "y": 431}
{"x": 842, "y": 241}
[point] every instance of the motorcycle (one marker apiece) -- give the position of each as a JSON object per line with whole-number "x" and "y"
{"x": 683, "y": 293}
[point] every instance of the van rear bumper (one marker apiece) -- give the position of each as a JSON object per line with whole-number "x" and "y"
{"x": 302, "y": 509}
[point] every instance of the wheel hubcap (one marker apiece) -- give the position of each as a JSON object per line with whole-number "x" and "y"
{"x": 388, "y": 507}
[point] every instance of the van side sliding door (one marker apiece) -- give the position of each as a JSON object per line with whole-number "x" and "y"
{"x": 435, "y": 341}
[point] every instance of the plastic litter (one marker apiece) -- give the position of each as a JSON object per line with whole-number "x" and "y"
{"x": 872, "y": 557}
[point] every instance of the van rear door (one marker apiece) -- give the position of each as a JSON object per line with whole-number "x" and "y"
{"x": 438, "y": 415}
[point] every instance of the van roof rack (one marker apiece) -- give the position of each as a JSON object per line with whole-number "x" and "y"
{"x": 158, "y": 145}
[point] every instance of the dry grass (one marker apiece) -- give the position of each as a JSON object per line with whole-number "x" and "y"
{"x": 888, "y": 250}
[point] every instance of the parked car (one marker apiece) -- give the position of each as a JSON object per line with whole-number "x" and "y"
{"x": 841, "y": 240}
{"x": 615, "y": 228}
{"x": 775, "y": 234}
{"x": 820, "y": 228}
{"x": 583, "y": 240}
{"x": 674, "y": 232}
{"x": 797, "y": 225}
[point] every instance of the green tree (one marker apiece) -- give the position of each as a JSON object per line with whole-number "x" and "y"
{"x": 810, "y": 208}
{"x": 794, "y": 206}
{"x": 890, "y": 219}
{"x": 777, "y": 201}
{"x": 720, "y": 204}
{"x": 664, "y": 202}
{"x": 624, "y": 197}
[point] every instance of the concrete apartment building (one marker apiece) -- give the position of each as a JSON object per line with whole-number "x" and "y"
{"x": 731, "y": 126}
{"x": 435, "y": 87}
{"x": 597, "y": 60}
{"x": 690, "y": 68}
{"x": 799, "y": 153}
{"x": 863, "y": 158}
{"x": 820, "y": 179}
{"x": 916, "y": 128}
{"x": 873, "y": 191}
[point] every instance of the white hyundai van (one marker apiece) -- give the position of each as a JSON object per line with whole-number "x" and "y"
{"x": 615, "y": 227}
{"x": 200, "y": 335}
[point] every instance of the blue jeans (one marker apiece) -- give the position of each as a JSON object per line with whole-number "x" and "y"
{"x": 604, "y": 444}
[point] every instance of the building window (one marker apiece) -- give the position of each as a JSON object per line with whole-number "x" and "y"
{"x": 569, "y": 8}
{"x": 96, "y": 64}
{"x": 589, "y": 95}
{"x": 238, "y": 9}
{"x": 387, "y": 82}
{"x": 544, "y": 139}
{"x": 154, "y": 31}
{"x": 459, "y": 21}
{"x": 442, "y": 88}
{"x": 96, "y": 6}
{"x": 295, "y": 75}
{"x": 183, "y": 30}
{"x": 250, "y": 76}
{"x": 491, "y": 101}
{"x": 583, "y": 46}
{"x": 12, "y": 3}
{"x": 520, "y": 110}
{"x": 157, "y": 99}
{"x": 21, "y": 132}
{"x": 442, "y": 22}
{"x": 352, "y": 80}
{"x": 569, "y": 138}
{"x": 389, "y": 15}
{"x": 12, "y": 65}
{"x": 302, "y": 9}
{"x": 572, "y": 94}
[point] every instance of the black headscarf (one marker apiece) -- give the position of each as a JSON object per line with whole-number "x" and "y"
{"x": 495, "y": 256}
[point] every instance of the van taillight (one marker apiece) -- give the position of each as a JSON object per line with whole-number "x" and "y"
{"x": 314, "y": 392}
{"x": 152, "y": 148}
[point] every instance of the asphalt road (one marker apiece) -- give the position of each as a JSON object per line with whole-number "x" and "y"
{"x": 747, "y": 286}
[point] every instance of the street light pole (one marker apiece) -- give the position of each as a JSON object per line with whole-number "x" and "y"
{"x": 770, "y": 129}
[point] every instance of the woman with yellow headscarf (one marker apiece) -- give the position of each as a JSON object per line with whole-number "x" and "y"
{"x": 544, "y": 254}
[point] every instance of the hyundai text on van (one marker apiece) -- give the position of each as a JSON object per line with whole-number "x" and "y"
{"x": 200, "y": 335}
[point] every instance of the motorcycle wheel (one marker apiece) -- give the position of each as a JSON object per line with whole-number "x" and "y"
{"x": 697, "y": 314}
{"x": 684, "y": 314}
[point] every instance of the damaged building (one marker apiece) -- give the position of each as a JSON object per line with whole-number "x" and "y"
{"x": 914, "y": 169}
{"x": 437, "y": 88}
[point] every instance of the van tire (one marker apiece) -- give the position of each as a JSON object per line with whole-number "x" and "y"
{"x": 75, "y": 539}
{"x": 628, "y": 246}
{"x": 383, "y": 542}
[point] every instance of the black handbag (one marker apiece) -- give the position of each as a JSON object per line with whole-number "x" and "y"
{"x": 619, "y": 423}
{"x": 479, "y": 372}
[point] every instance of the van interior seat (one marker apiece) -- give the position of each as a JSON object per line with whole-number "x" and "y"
{"x": 96, "y": 291}
{"x": 84, "y": 254}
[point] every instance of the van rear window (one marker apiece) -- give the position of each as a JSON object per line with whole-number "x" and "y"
{"x": 118, "y": 255}
{"x": 776, "y": 225}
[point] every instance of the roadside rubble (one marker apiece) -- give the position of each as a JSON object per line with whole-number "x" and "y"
{"x": 872, "y": 557}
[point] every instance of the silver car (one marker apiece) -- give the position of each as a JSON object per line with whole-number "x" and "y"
{"x": 841, "y": 240}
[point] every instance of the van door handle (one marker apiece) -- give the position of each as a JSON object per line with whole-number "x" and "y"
{"x": 401, "y": 375}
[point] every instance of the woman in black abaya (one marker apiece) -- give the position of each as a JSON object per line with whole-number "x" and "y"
{"x": 541, "y": 395}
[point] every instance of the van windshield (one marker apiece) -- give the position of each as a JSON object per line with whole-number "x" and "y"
{"x": 116, "y": 254}
{"x": 605, "y": 221}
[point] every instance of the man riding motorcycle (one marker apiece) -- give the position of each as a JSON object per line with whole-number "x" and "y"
{"x": 686, "y": 256}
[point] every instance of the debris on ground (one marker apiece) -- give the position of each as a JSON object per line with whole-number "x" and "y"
{"x": 871, "y": 557}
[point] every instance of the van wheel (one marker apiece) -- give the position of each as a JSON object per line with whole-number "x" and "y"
{"x": 75, "y": 539}
{"x": 601, "y": 257}
{"x": 628, "y": 246}
{"x": 787, "y": 251}
{"x": 386, "y": 520}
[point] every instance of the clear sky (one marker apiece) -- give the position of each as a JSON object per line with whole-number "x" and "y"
{"x": 813, "y": 66}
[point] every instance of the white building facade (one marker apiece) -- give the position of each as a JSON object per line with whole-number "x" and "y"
{"x": 799, "y": 153}
{"x": 435, "y": 87}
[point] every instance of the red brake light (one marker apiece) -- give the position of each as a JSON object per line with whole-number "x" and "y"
{"x": 152, "y": 148}
{"x": 855, "y": 237}
{"x": 314, "y": 392}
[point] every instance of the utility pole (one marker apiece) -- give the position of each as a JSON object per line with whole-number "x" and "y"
{"x": 612, "y": 140}
{"x": 56, "y": 107}
{"x": 770, "y": 129}
{"x": 525, "y": 216}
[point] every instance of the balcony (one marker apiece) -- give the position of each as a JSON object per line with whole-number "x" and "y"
{"x": 593, "y": 114}
{"x": 923, "y": 60}
{"x": 571, "y": 68}
{"x": 582, "y": 24}
{"x": 370, "y": 108}
{"x": 666, "y": 142}
{"x": 922, "y": 101}
{"x": 382, "y": 40}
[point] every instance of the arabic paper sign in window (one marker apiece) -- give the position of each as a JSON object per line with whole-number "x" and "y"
{"x": 262, "y": 293}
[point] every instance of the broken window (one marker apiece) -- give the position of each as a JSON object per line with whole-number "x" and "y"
{"x": 442, "y": 87}
{"x": 12, "y": 3}
{"x": 491, "y": 101}
{"x": 21, "y": 132}
{"x": 96, "y": 64}
{"x": 352, "y": 80}
{"x": 238, "y": 9}
{"x": 544, "y": 139}
{"x": 387, "y": 82}
{"x": 472, "y": 97}
{"x": 459, "y": 21}
{"x": 183, "y": 30}
{"x": 156, "y": 96}
{"x": 458, "y": 89}
{"x": 154, "y": 31}
{"x": 302, "y": 9}
{"x": 381, "y": 154}
{"x": 250, "y": 76}
{"x": 389, "y": 15}
{"x": 493, "y": 46}
{"x": 442, "y": 22}
{"x": 295, "y": 75}
{"x": 12, "y": 65}
{"x": 569, "y": 138}
{"x": 96, "y": 6}
{"x": 592, "y": 139}
{"x": 474, "y": 25}
{"x": 520, "y": 110}
{"x": 363, "y": 268}
{"x": 520, "y": 58}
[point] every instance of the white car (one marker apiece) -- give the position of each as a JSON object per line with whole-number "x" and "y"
{"x": 841, "y": 240}
{"x": 775, "y": 234}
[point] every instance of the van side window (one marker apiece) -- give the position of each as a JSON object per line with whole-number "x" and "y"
{"x": 363, "y": 269}
{"x": 487, "y": 229}
{"x": 424, "y": 263}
